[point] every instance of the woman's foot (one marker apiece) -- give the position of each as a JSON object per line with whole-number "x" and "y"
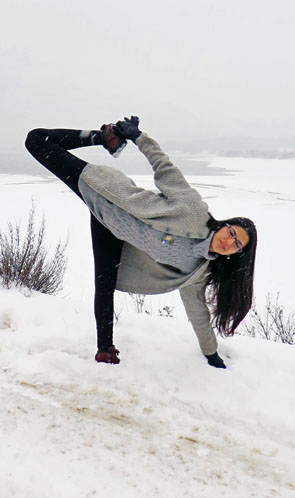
{"x": 112, "y": 140}
{"x": 109, "y": 356}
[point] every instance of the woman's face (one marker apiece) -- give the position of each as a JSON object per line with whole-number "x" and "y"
{"x": 223, "y": 243}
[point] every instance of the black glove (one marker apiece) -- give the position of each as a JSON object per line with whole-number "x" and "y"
{"x": 214, "y": 360}
{"x": 128, "y": 128}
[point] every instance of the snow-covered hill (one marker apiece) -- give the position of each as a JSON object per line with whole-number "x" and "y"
{"x": 162, "y": 423}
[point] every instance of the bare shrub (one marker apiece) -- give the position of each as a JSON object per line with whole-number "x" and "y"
{"x": 117, "y": 315}
{"x": 275, "y": 325}
{"x": 140, "y": 303}
{"x": 166, "y": 311}
{"x": 117, "y": 312}
{"x": 24, "y": 261}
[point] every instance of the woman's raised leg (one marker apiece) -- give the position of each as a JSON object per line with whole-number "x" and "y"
{"x": 50, "y": 148}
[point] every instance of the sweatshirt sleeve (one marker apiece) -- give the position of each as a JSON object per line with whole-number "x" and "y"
{"x": 167, "y": 177}
{"x": 193, "y": 298}
{"x": 177, "y": 208}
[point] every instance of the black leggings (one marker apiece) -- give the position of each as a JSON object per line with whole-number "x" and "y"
{"x": 50, "y": 148}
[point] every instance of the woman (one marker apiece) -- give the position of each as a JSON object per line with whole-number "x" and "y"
{"x": 151, "y": 243}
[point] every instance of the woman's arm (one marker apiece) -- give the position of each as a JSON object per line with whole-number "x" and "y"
{"x": 193, "y": 298}
{"x": 167, "y": 177}
{"x": 198, "y": 314}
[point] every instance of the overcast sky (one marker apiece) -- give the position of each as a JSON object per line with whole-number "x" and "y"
{"x": 190, "y": 68}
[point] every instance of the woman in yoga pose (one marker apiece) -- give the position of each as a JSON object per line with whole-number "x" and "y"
{"x": 152, "y": 243}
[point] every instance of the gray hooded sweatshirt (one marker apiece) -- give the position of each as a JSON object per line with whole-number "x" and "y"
{"x": 177, "y": 210}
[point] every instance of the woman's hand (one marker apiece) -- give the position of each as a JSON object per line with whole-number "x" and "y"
{"x": 128, "y": 128}
{"x": 214, "y": 360}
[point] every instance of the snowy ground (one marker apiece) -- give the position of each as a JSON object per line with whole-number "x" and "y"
{"x": 162, "y": 423}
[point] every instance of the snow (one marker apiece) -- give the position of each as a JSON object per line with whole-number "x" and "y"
{"x": 162, "y": 423}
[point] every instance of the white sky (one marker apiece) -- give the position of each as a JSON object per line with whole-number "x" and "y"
{"x": 195, "y": 68}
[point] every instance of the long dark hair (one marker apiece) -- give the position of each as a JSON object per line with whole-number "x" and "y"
{"x": 230, "y": 281}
